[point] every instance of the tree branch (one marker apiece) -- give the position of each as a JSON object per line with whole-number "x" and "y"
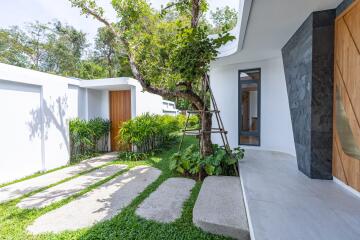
{"x": 187, "y": 94}
{"x": 173, "y": 4}
{"x": 195, "y": 13}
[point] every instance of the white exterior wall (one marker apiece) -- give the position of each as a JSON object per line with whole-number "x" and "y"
{"x": 95, "y": 103}
{"x": 76, "y": 102}
{"x": 276, "y": 127}
{"x": 147, "y": 102}
{"x": 35, "y": 109}
{"x": 20, "y": 139}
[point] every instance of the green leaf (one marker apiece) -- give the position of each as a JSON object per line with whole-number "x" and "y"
{"x": 194, "y": 170}
{"x": 172, "y": 164}
{"x": 209, "y": 169}
{"x": 180, "y": 170}
{"x": 230, "y": 160}
{"x": 185, "y": 164}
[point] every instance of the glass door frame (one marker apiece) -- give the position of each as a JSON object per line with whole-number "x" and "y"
{"x": 256, "y": 133}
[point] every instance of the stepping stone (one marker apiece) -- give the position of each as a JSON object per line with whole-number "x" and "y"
{"x": 165, "y": 204}
{"x": 220, "y": 208}
{"x": 98, "y": 205}
{"x": 16, "y": 190}
{"x": 66, "y": 189}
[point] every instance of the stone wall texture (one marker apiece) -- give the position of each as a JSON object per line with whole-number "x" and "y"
{"x": 343, "y": 6}
{"x": 308, "y": 63}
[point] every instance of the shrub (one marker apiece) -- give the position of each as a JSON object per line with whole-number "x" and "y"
{"x": 100, "y": 133}
{"x": 133, "y": 156}
{"x": 148, "y": 132}
{"x": 88, "y": 137}
{"x": 190, "y": 163}
{"x": 192, "y": 123}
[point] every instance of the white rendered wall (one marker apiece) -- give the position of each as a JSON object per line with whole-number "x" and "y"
{"x": 276, "y": 127}
{"x": 20, "y": 140}
{"x": 28, "y": 119}
{"x": 76, "y": 102}
{"x": 148, "y": 102}
{"x": 97, "y": 104}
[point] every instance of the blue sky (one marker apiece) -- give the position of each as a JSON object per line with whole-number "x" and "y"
{"x": 18, "y": 12}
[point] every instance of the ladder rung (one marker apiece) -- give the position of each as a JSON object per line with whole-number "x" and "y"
{"x": 192, "y": 133}
{"x": 191, "y": 130}
{"x": 200, "y": 111}
{"x": 212, "y": 131}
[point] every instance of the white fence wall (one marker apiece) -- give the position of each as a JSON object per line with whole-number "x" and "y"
{"x": 20, "y": 140}
{"x": 35, "y": 108}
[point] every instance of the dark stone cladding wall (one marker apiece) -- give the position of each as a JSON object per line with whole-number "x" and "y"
{"x": 308, "y": 62}
{"x": 342, "y": 6}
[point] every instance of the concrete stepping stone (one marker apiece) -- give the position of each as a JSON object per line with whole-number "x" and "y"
{"x": 16, "y": 190}
{"x": 166, "y": 203}
{"x": 66, "y": 189}
{"x": 220, "y": 208}
{"x": 100, "y": 204}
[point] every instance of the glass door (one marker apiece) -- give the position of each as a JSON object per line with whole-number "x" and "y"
{"x": 249, "y": 107}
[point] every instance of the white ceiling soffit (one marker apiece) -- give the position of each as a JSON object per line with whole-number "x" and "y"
{"x": 238, "y": 32}
{"x": 268, "y": 27}
{"x": 122, "y": 83}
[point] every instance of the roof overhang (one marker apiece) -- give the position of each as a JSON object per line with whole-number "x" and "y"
{"x": 123, "y": 83}
{"x": 266, "y": 26}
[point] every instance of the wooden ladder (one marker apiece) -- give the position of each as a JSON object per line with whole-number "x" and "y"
{"x": 220, "y": 125}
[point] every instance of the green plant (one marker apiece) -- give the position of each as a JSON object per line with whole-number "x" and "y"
{"x": 80, "y": 136}
{"x": 88, "y": 137}
{"x": 148, "y": 132}
{"x": 133, "y": 156}
{"x": 186, "y": 163}
{"x": 193, "y": 123}
{"x": 238, "y": 153}
{"x": 220, "y": 162}
{"x": 100, "y": 131}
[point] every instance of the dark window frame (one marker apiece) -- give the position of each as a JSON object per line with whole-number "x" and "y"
{"x": 246, "y": 133}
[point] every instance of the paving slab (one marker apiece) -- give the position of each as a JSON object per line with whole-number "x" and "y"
{"x": 283, "y": 203}
{"x": 220, "y": 208}
{"x": 69, "y": 188}
{"x": 166, "y": 203}
{"x": 98, "y": 205}
{"x": 16, "y": 190}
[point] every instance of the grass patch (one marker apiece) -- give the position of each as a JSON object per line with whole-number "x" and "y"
{"x": 126, "y": 225}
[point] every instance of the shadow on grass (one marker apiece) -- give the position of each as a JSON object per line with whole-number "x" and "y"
{"x": 125, "y": 226}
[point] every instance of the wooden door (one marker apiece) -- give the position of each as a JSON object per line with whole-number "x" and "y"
{"x": 346, "y": 142}
{"x": 120, "y": 111}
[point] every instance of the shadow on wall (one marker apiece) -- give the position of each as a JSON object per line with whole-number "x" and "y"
{"x": 54, "y": 114}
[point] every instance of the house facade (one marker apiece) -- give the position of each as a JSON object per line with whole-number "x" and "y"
{"x": 36, "y": 108}
{"x": 290, "y": 83}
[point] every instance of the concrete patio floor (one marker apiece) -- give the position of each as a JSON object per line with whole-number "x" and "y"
{"x": 283, "y": 204}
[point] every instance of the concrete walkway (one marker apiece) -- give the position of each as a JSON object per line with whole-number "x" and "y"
{"x": 100, "y": 204}
{"x": 69, "y": 188}
{"x": 166, "y": 203}
{"x": 16, "y": 190}
{"x": 285, "y": 204}
{"x": 220, "y": 208}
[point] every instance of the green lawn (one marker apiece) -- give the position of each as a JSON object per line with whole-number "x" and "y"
{"x": 126, "y": 225}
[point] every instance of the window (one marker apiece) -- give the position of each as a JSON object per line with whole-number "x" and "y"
{"x": 249, "y": 107}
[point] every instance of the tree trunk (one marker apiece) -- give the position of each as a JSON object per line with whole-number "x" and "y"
{"x": 205, "y": 137}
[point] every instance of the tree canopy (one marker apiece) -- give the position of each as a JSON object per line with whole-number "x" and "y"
{"x": 61, "y": 49}
{"x": 169, "y": 51}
